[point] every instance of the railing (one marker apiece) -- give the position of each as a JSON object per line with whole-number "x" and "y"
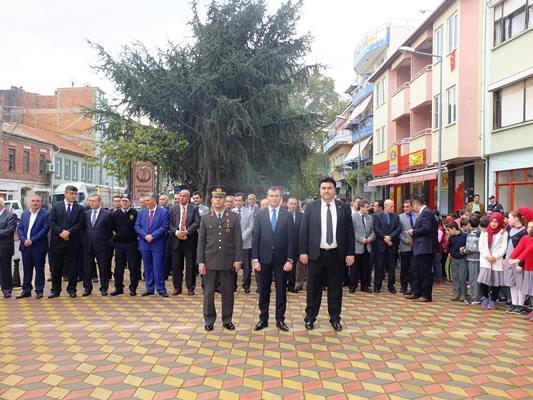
{"x": 426, "y": 131}
{"x": 403, "y": 86}
{"x": 422, "y": 72}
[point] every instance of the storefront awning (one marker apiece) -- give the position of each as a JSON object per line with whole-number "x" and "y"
{"x": 382, "y": 181}
{"x": 420, "y": 176}
{"x": 360, "y": 108}
{"x": 353, "y": 155}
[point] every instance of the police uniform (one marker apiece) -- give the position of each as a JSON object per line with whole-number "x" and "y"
{"x": 219, "y": 246}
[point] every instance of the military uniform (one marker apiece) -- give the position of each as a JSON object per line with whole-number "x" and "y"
{"x": 219, "y": 246}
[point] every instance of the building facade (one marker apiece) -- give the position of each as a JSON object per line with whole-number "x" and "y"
{"x": 407, "y": 97}
{"x": 508, "y": 143}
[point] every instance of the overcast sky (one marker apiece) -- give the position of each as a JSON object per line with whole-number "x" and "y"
{"x": 43, "y": 44}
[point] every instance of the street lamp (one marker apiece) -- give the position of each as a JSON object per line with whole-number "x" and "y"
{"x": 410, "y": 50}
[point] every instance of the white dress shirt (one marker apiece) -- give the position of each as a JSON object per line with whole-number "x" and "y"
{"x": 33, "y": 217}
{"x": 323, "y": 222}
{"x": 66, "y": 205}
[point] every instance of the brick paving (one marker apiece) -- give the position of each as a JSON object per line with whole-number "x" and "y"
{"x": 156, "y": 348}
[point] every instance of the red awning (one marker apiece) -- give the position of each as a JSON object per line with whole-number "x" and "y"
{"x": 419, "y": 176}
{"x": 382, "y": 181}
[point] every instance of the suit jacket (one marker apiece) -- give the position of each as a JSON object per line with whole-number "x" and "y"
{"x": 405, "y": 238}
{"x": 219, "y": 242}
{"x": 382, "y": 228}
{"x": 247, "y": 226}
{"x": 8, "y": 225}
{"x": 425, "y": 239}
{"x": 59, "y": 221}
{"x": 98, "y": 237}
{"x": 311, "y": 230}
{"x": 192, "y": 223}
{"x": 158, "y": 230}
{"x": 273, "y": 247}
{"x": 363, "y": 231}
{"x": 297, "y": 225}
{"x": 39, "y": 230}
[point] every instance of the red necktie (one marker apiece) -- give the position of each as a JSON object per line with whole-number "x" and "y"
{"x": 150, "y": 219}
{"x": 183, "y": 218}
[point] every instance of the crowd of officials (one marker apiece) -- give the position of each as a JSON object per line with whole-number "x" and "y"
{"x": 487, "y": 255}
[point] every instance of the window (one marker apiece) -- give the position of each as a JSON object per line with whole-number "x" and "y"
{"x": 59, "y": 168}
{"x": 510, "y": 18}
{"x": 67, "y": 170}
{"x": 436, "y": 110}
{"x": 380, "y": 92}
{"x": 452, "y": 32}
{"x": 26, "y": 161}
{"x": 74, "y": 170}
{"x": 42, "y": 164}
{"x": 380, "y": 139}
{"x": 513, "y": 104}
{"x": 514, "y": 188}
{"x": 452, "y": 105}
{"x": 83, "y": 171}
{"x": 89, "y": 173}
{"x": 12, "y": 159}
{"x": 437, "y": 43}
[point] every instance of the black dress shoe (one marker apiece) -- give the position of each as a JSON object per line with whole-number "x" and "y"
{"x": 392, "y": 290}
{"x": 337, "y": 326}
{"x": 116, "y": 292}
{"x": 376, "y": 290}
{"x": 299, "y": 288}
{"x": 23, "y": 295}
{"x": 165, "y": 294}
{"x": 282, "y": 326}
{"x": 147, "y": 294}
{"x": 208, "y": 327}
{"x": 412, "y": 297}
{"x": 72, "y": 295}
{"x": 292, "y": 290}
{"x": 133, "y": 293}
{"x": 229, "y": 326}
{"x": 247, "y": 290}
{"x": 309, "y": 326}
{"x": 352, "y": 290}
{"x": 52, "y": 295}
{"x": 7, "y": 295}
{"x": 103, "y": 292}
{"x": 367, "y": 290}
{"x": 39, "y": 296}
{"x": 260, "y": 325}
{"x": 408, "y": 293}
{"x": 86, "y": 293}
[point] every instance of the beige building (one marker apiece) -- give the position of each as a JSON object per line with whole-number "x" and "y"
{"x": 508, "y": 142}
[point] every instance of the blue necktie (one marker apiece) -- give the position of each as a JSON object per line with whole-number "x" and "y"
{"x": 274, "y": 219}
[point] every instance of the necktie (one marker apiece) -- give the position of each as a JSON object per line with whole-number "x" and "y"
{"x": 183, "y": 218}
{"x": 388, "y": 219}
{"x": 274, "y": 219}
{"x": 68, "y": 210}
{"x": 150, "y": 219}
{"x": 363, "y": 219}
{"x": 329, "y": 226}
{"x": 294, "y": 217}
{"x": 412, "y": 220}
{"x": 219, "y": 216}
{"x": 93, "y": 218}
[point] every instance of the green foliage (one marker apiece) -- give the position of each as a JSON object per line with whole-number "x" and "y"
{"x": 364, "y": 173}
{"x": 227, "y": 92}
{"x": 305, "y": 184}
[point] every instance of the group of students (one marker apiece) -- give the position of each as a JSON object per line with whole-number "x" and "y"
{"x": 493, "y": 256}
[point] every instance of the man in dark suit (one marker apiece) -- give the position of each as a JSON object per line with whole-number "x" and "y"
{"x": 364, "y": 237}
{"x": 152, "y": 228}
{"x": 184, "y": 223}
{"x": 387, "y": 228}
{"x": 273, "y": 253}
{"x": 126, "y": 247}
{"x": 326, "y": 244}
{"x": 97, "y": 237}
{"x": 219, "y": 258}
{"x": 33, "y": 235}
{"x": 296, "y": 279}
{"x": 66, "y": 225}
{"x": 8, "y": 225}
{"x": 425, "y": 242}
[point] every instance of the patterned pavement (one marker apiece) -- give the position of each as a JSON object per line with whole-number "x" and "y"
{"x": 156, "y": 348}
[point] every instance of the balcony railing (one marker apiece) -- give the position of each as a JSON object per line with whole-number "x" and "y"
{"x": 362, "y": 93}
{"x": 400, "y": 101}
{"x": 374, "y": 42}
{"x": 340, "y": 138}
{"x": 421, "y": 87}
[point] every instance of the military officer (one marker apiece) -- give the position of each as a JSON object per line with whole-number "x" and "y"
{"x": 219, "y": 257}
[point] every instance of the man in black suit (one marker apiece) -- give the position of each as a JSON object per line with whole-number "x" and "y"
{"x": 327, "y": 247}
{"x": 425, "y": 242}
{"x": 97, "y": 237}
{"x": 8, "y": 225}
{"x": 387, "y": 228}
{"x": 272, "y": 252}
{"x": 66, "y": 226}
{"x": 183, "y": 225}
{"x": 296, "y": 275}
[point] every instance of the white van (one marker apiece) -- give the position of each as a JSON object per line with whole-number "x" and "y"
{"x": 14, "y": 206}
{"x": 85, "y": 190}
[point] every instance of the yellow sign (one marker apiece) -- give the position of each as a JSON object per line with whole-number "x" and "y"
{"x": 416, "y": 158}
{"x": 393, "y": 159}
{"x": 444, "y": 181}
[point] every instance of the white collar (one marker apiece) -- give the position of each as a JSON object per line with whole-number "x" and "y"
{"x": 325, "y": 204}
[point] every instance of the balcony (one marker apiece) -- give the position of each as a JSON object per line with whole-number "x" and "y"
{"x": 421, "y": 87}
{"x": 400, "y": 101}
{"x": 364, "y": 129}
{"x": 370, "y": 48}
{"x": 362, "y": 93}
{"x": 340, "y": 138}
{"x": 416, "y": 150}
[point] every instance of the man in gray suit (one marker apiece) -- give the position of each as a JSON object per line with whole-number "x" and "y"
{"x": 364, "y": 236}
{"x": 407, "y": 220}
{"x": 8, "y": 225}
{"x": 246, "y": 216}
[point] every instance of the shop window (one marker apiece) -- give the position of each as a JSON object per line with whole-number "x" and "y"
{"x": 515, "y": 188}
{"x": 523, "y": 195}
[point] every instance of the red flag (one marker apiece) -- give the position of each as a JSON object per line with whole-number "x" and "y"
{"x": 452, "y": 60}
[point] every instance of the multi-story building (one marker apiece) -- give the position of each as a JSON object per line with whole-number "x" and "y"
{"x": 407, "y": 95}
{"x": 508, "y": 142}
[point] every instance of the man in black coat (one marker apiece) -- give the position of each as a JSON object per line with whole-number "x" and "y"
{"x": 327, "y": 247}
{"x": 296, "y": 278}
{"x": 8, "y": 225}
{"x": 387, "y": 228}
{"x": 66, "y": 226}
{"x": 273, "y": 252}
{"x": 183, "y": 226}
{"x": 97, "y": 237}
{"x": 425, "y": 242}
